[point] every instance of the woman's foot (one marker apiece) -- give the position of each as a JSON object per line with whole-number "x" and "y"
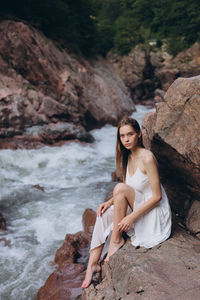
{"x": 89, "y": 274}
{"x": 113, "y": 247}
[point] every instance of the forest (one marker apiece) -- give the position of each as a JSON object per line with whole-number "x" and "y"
{"x": 93, "y": 27}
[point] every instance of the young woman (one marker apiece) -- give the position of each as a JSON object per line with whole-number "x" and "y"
{"x": 139, "y": 205}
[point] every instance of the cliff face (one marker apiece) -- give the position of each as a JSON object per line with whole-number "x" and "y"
{"x": 43, "y": 85}
{"x": 146, "y": 72}
{"x": 172, "y": 134}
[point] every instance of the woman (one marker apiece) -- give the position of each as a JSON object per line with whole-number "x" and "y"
{"x": 139, "y": 205}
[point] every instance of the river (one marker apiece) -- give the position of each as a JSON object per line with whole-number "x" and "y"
{"x": 74, "y": 176}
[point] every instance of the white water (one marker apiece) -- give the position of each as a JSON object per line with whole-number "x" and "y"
{"x": 74, "y": 177}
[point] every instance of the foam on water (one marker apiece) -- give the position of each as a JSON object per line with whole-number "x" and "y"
{"x": 74, "y": 176}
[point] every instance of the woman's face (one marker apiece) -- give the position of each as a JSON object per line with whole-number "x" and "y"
{"x": 128, "y": 137}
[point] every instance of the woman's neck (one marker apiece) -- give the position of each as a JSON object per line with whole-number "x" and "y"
{"x": 135, "y": 152}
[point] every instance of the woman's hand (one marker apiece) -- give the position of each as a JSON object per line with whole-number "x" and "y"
{"x": 103, "y": 207}
{"x": 126, "y": 223}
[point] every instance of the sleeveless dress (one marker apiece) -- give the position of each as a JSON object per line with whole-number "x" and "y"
{"x": 150, "y": 229}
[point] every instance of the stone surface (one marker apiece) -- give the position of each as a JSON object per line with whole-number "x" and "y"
{"x": 65, "y": 281}
{"x": 42, "y": 85}
{"x": 172, "y": 134}
{"x": 168, "y": 271}
{"x": 137, "y": 73}
{"x": 69, "y": 251}
{"x": 144, "y": 71}
{"x": 2, "y": 222}
{"x": 193, "y": 218}
{"x": 70, "y": 259}
{"x": 88, "y": 220}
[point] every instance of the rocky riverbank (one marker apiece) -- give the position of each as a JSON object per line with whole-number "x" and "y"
{"x": 49, "y": 96}
{"x": 171, "y": 269}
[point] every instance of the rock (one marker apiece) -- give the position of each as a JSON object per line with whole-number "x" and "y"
{"x": 69, "y": 251}
{"x": 167, "y": 271}
{"x": 147, "y": 129}
{"x": 65, "y": 281}
{"x": 116, "y": 178}
{"x": 193, "y": 218}
{"x": 88, "y": 220}
{"x": 171, "y": 133}
{"x": 71, "y": 257}
{"x": 167, "y": 77}
{"x": 53, "y": 132}
{"x": 145, "y": 71}
{"x": 136, "y": 71}
{"x": 109, "y": 195}
{"x": 160, "y": 93}
{"x": 2, "y": 222}
{"x": 20, "y": 142}
{"x": 41, "y": 85}
{"x": 38, "y": 187}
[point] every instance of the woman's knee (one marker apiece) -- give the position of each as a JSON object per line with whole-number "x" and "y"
{"x": 120, "y": 188}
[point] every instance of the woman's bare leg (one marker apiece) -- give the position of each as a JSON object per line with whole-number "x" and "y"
{"x": 123, "y": 196}
{"x": 93, "y": 266}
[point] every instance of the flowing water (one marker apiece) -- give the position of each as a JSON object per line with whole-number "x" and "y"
{"x": 74, "y": 177}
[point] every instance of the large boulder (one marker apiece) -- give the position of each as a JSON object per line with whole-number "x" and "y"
{"x": 88, "y": 220}
{"x": 172, "y": 133}
{"x": 168, "y": 271}
{"x": 41, "y": 84}
{"x": 65, "y": 281}
{"x": 70, "y": 259}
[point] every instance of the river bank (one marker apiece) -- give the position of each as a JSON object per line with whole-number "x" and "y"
{"x": 74, "y": 177}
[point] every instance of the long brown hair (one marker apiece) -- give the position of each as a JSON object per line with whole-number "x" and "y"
{"x": 121, "y": 152}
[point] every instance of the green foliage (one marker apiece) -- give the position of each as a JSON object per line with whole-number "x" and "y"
{"x": 139, "y": 21}
{"x": 175, "y": 45}
{"x": 126, "y": 34}
{"x": 67, "y": 21}
{"x": 96, "y": 26}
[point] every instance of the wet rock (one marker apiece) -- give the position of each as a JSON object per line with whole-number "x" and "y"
{"x": 20, "y": 142}
{"x": 53, "y": 132}
{"x": 109, "y": 195}
{"x": 2, "y": 222}
{"x": 69, "y": 251}
{"x": 193, "y": 218}
{"x": 63, "y": 283}
{"x": 88, "y": 220}
{"x": 38, "y": 187}
{"x": 71, "y": 258}
{"x": 115, "y": 178}
{"x": 171, "y": 133}
{"x": 167, "y": 271}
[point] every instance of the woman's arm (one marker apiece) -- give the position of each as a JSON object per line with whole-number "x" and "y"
{"x": 104, "y": 206}
{"x": 150, "y": 166}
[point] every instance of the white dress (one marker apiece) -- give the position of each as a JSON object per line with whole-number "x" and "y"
{"x": 150, "y": 229}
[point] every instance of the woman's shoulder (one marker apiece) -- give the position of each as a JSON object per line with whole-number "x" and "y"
{"x": 147, "y": 156}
